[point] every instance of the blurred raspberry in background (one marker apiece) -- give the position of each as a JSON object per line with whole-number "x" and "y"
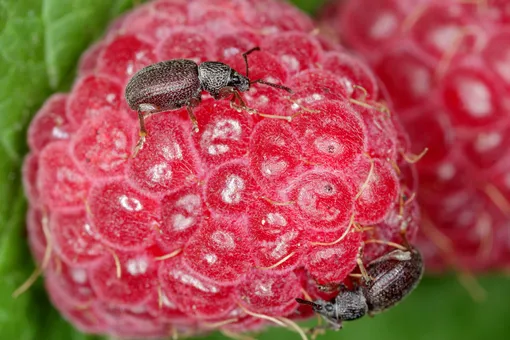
{"x": 445, "y": 65}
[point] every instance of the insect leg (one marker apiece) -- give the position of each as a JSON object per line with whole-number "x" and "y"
{"x": 243, "y": 107}
{"x": 403, "y": 234}
{"x": 237, "y": 96}
{"x": 333, "y": 324}
{"x": 192, "y": 118}
{"x": 142, "y": 133}
{"x": 362, "y": 269}
{"x": 141, "y": 118}
{"x": 240, "y": 105}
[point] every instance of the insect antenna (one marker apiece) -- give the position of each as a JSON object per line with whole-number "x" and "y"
{"x": 281, "y": 87}
{"x": 306, "y": 302}
{"x": 245, "y": 57}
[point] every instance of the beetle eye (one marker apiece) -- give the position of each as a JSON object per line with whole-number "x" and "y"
{"x": 329, "y": 308}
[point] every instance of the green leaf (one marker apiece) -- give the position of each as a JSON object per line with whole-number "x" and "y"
{"x": 69, "y": 27}
{"x": 309, "y": 6}
{"x": 40, "y": 43}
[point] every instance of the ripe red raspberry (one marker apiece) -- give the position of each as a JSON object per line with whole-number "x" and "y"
{"x": 446, "y": 67}
{"x": 209, "y": 230}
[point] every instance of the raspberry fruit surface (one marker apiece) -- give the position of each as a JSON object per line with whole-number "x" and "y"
{"x": 209, "y": 230}
{"x": 445, "y": 65}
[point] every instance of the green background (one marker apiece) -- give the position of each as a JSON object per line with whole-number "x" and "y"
{"x": 40, "y": 43}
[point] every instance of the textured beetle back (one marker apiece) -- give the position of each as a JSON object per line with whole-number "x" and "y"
{"x": 392, "y": 281}
{"x": 213, "y": 76}
{"x": 166, "y": 85}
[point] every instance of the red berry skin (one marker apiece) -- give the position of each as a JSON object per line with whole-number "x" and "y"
{"x": 204, "y": 231}
{"x": 445, "y": 66}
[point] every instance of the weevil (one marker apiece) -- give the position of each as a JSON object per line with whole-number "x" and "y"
{"x": 391, "y": 278}
{"x": 177, "y": 83}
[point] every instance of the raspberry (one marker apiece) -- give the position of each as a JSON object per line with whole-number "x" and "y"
{"x": 445, "y": 65}
{"x": 211, "y": 230}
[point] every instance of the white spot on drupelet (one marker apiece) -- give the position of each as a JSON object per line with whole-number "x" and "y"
{"x": 193, "y": 281}
{"x": 291, "y": 62}
{"x": 211, "y": 258}
{"x": 230, "y": 52}
{"x": 159, "y": 173}
{"x": 264, "y": 288}
{"x": 88, "y": 228}
{"x": 443, "y": 38}
{"x": 276, "y": 219}
{"x": 130, "y": 203}
{"x": 181, "y": 222}
{"x": 273, "y": 166}
{"x": 487, "y": 141}
{"x": 166, "y": 302}
{"x": 223, "y": 130}
{"x": 172, "y": 151}
{"x": 137, "y": 266}
{"x": 326, "y": 254}
{"x": 79, "y": 275}
{"x": 110, "y": 98}
{"x": 476, "y": 98}
{"x": 384, "y": 26}
{"x": 420, "y": 81}
{"x": 130, "y": 68}
{"x": 227, "y": 129}
{"x": 189, "y": 203}
{"x": 223, "y": 239}
{"x": 232, "y": 192}
{"x": 282, "y": 245}
{"x": 58, "y": 133}
{"x": 446, "y": 171}
{"x": 328, "y": 145}
{"x": 218, "y": 149}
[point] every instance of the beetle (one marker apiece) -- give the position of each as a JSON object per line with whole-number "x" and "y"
{"x": 177, "y": 83}
{"x": 391, "y": 278}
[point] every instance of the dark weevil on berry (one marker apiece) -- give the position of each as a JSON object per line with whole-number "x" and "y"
{"x": 173, "y": 84}
{"x": 391, "y": 278}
